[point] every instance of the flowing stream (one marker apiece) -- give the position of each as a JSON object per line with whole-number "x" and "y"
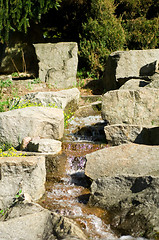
{"x": 67, "y": 192}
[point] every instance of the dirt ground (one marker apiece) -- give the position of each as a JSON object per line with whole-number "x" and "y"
{"x": 87, "y": 87}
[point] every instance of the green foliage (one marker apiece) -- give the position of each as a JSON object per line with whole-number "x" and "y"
{"x": 10, "y": 152}
{"x": 102, "y": 34}
{"x": 142, "y": 33}
{"x": 15, "y": 74}
{"x": 4, "y": 84}
{"x": 5, "y": 147}
{"x": 140, "y": 20}
{"x": 18, "y": 195}
{"x": 68, "y": 117}
{"x": 132, "y": 9}
{"x": 4, "y": 104}
{"x": 27, "y": 103}
{"x": 2, "y": 212}
{"x": 16, "y": 15}
{"x": 36, "y": 81}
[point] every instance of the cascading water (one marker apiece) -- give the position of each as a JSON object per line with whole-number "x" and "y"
{"x": 68, "y": 194}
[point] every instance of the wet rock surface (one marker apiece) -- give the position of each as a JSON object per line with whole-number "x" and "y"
{"x": 131, "y": 201}
{"x": 125, "y": 183}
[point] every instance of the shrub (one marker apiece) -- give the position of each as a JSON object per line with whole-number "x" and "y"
{"x": 102, "y": 34}
{"x": 142, "y": 33}
{"x": 140, "y": 20}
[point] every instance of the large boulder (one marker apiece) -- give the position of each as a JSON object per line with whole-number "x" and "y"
{"x": 63, "y": 99}
{"x": 30, "y": 221}
{"x": 137, "y": 107}
{"x": 43, "y": 122}
{"x": 125, "y": 183}
{"x": 123, "y": 133}
{"x": 126, "y": 159}
{"x": 134, "y": 84}
{"x": 132, "y": 203}
{"x": 21, "y": 173}
{"x": 57, "y": 63}
{"x": 124, "y": 65}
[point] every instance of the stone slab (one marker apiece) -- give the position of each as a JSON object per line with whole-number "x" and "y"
{"x": 21, "y": 173}
{"x": 127, "y": 159}
{"x": 57, "y": 63}
{"x": 44, "y": 145}
{"x": 123, "y": 133}
{"x": 43, "y": 122}
{"x": 123, "y": 65}
{"x": 137, "y": 107}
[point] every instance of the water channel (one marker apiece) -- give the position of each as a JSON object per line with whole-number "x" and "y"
{"x": 67, "y": 190}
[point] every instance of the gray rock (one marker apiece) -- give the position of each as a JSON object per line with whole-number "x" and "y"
{"x": 60, "y": 99}
{"x": 134, "y": 84}
{"x": 44, "y": 146}
{"x": 153, "y": 84}
{"x": 136, "y": 107}
{"x": 123, "y": 133}
{"x": 21, "y": 173}
{"x": 43, "y": 122}
{"x": 127, "y": 159}
{"x": 155, "y": 76}
{"x": 37, "y": 223}
{"x": 91, "y": 109}
{"x": 132, "y": 202}
{"x": 65, "y": 227}
{"x": 57, "y": 63}
{"x": 123, "y": 65}
{"x": 126, "y": 183}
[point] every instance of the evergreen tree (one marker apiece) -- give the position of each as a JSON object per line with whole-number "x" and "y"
{"x": 16, "y": 15}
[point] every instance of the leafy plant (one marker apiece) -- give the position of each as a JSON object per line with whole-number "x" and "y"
{"x": 142, "y": 33}
{"x": 36, "y": 81}
{"x": 4, "y": 105}
{"x": 102, "y": 34}
{"x": 80, "y": 83}
{"x": 18, "y": 197}
{"x": 5, "y": 146}
{"x": 68, "y": 117}
{"x": 4, "y": 84}
{"x": 17, "y": 15}
{"x": 11, "y": 152}
{"x": 16, "y": 104}
{"x": 2, "y": 212}
{"x": 15, "y": 74}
